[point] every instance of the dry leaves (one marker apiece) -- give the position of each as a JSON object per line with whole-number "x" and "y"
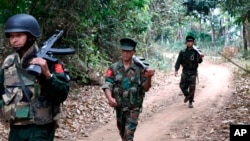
{"x": 81, "y": 113}
{"x": 235, "y": 111}
{"x": 86, "y": 108}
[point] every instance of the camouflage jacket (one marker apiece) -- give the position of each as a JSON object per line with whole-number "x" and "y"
{"x": 189, "y": 59}
{"x": 40, "y": 102}
{"x": 126, "y": 85}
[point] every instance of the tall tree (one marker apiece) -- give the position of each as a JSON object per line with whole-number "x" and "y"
{"x": 241, "y": 10}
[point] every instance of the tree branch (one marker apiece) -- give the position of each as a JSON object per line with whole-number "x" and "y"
{"x": 230, "y": 60}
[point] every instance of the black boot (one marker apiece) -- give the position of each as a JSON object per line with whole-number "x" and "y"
{"x": 186, "y": 99}
{"x": 190, "y": 105}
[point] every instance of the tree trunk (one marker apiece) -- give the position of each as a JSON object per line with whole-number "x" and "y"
{"x": 244, "y": 36}
{"x": 226, "y": 32}
{"x": 212, "y": 28}
{"x": 248, "y": 34}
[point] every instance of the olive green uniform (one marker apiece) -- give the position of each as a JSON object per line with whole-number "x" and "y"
{"x": 31, "y": 104}
{"x": 189, "y": 59}
{"x": 127, "y": 88}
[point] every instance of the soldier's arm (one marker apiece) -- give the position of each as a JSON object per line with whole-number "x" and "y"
{"x": 111, "y": 100}
{"x": 57, "y": 87}
{"x": 178, "y": 62}
{"x": 200, "y": 55}
{"x": 108, "y": 86}
{"x": 200, "y": 59}
{"x": 1, "y": 89}
{"x": 147, "y": 84}
{"x": 1, "y": 83}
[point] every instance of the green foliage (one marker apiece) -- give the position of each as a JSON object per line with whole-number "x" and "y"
{"x": 201, "y": 6}
{"x": 204, "y": 37}
{"x": 246, "y": 54}
{"x": 238, "y": 8}
{"x": 158, "y": 60}
{"x": 9, "y": 8}
{"x": 193, "y": 33}
{"x": 94, "y": 28}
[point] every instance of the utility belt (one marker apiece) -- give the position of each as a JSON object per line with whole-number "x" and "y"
{"x": 125, "y": 109}
{"x": 189, "y": 71}
{"x": 32, "y": 125}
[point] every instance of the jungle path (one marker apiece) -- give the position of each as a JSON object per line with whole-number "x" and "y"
{"x": 165, "y": 117}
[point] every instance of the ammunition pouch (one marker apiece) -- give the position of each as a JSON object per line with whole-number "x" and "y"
{"x": 135, "y": 97}
{"x": 130, "y": 99}
{"x": 40, "y": 111}
{"x": 117, "y": 94}
{"x": 44, "y": 111}
{"x": 13, "y": 109}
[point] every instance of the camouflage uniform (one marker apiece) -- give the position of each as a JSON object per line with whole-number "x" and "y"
{"x": 127, "y": 88}
{"x": 32, "y": 113}
{"x": 189, "y": 59}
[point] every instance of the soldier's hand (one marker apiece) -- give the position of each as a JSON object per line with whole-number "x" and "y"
{"x": 201, "y": 55}
{"x": 112, "y": 102}
{"x": 44, "y": 66}
{"x": 149, "y": 73}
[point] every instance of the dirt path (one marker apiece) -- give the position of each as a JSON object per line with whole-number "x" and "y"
{"x": 166, "y": 118}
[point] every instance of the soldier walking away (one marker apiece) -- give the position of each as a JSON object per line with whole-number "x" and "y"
{"x": 30, "y": 104}
{"x": 189, "y": 59}
{"x": 125, "y": 86}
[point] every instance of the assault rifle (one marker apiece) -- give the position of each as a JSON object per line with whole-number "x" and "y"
{"x": 139, "y": 61}
{"x": 46, "y": 52}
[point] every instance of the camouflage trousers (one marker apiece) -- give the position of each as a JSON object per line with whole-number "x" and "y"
{"x": 32, "y": 132}
{"x": 127, "y": 122}
{"x": 188, "y": 84}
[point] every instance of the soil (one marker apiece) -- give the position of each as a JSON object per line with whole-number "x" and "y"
{"x": 165, "y": 117}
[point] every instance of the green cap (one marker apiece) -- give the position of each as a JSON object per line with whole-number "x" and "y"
{"x": 190, "y": 38}
{"x": 128, "y": 44}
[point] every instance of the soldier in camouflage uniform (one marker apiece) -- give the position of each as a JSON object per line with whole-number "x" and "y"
{"x": 125, "y": 86}
{"x": 189, "y": 58}
{"x": 31, "y": 104}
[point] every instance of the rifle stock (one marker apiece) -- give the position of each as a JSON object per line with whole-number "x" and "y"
{"x": 195, "y": 48}
{"x": 138, "y": 61}
{"x": 46, "y": 52}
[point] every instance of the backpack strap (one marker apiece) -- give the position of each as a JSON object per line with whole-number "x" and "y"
{"x": 27, "y": 92}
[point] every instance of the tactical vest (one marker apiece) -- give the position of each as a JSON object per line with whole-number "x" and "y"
{"x": 127, "y": 88}
{"x": 20, "y": 108}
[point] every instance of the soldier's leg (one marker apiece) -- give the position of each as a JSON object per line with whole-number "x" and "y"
{"x": 32, "y": 132}
{"x": 20, "y": 132}
{"x": 43, "y": 132}
{"x": 131, "y": 124}
{"x": 192, "y": 90}
{"x": 120, "y": 121}
{"x": 184, "y": 84}
{"x": 192, "y": 87}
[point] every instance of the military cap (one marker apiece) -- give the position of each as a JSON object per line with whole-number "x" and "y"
{"x": 190, "y": 38}
{"x": 128, "y": 44}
